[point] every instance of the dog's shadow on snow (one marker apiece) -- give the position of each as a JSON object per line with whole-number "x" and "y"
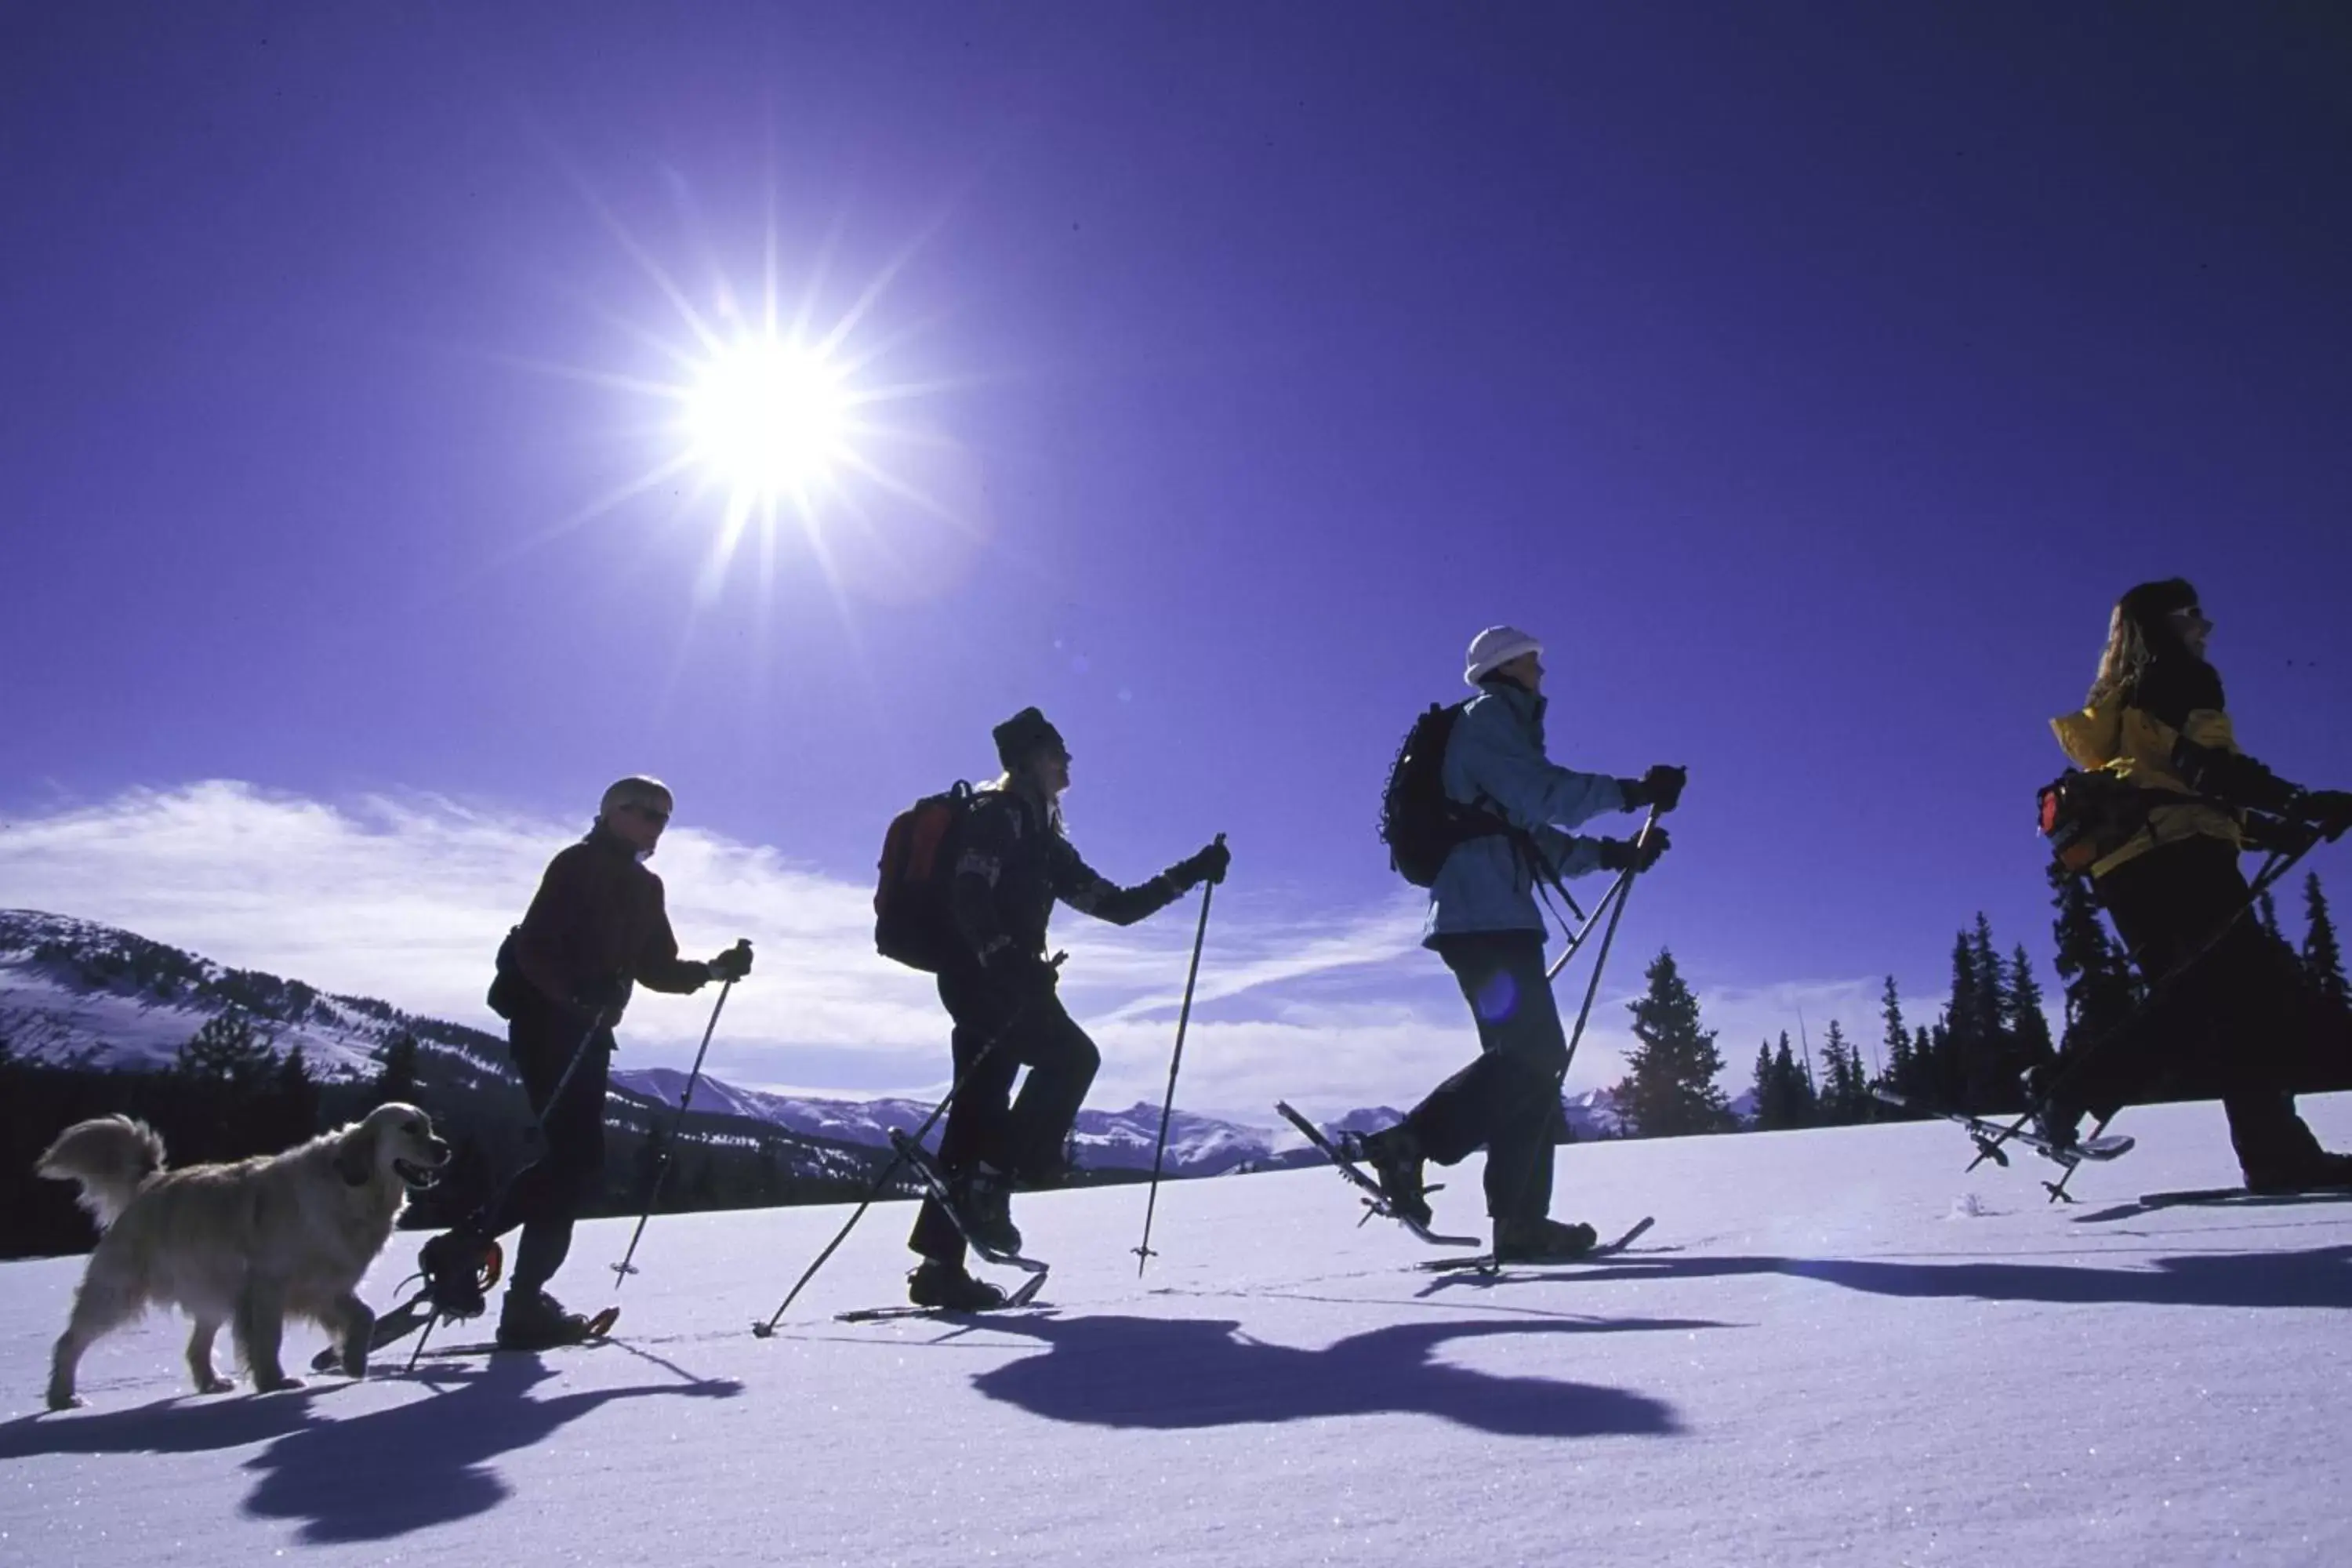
{"x": 1183, "y": 1373}
{"x": 355, "y": 1475}
{"x": 428, "y": 1461}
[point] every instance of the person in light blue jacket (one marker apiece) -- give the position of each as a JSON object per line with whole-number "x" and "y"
{"x": 1485, "y": 922}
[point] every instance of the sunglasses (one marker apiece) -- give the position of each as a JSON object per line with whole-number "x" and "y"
{"x": 650, "y": 813}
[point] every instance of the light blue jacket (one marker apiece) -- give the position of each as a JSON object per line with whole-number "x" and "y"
{"x": 1496, "y": 759}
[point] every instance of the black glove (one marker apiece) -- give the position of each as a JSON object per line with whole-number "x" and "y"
{"x": 2328, "y": 810}
{"x": 732, "y": 965}
{"x": 1640, "y": 855}
{"x": 2234, "y": 778}
{"x": 1209, "y": 866}
{"x": 1662, "y": 786}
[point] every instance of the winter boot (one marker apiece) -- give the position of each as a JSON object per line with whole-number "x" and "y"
{"x": 2319, "y": 1171}
{"x": 2057, "y": 1119}
{"x": 535, "y": 1321}
{"x": 1394, "y": 1154}
{"x": 949, "y": 1287}
{"x": 984, "y": 1206}
{"x": 1541, "y": 1240}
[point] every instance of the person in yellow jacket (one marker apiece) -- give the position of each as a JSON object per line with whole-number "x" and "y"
{"x": 2166, "y": 872}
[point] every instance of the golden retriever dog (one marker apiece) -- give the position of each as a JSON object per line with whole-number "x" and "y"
{"x": 248, "y": 1243}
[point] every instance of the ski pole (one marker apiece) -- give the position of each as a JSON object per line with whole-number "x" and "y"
{"x": 1621, "y": 888}
{"x": 1592, "y": 923}
{"x": 1175, "y": 1060}
{"x": 669, "y": 1139}
{"x": 767, "y": 1329}
{"x": 1608, "y": 935}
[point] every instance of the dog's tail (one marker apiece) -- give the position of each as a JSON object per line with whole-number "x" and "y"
{"x": 111, "y": 1156}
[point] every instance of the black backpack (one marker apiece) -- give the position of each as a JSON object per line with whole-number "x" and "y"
{"x": 1419, "y": 823}
{"x": 913, "y": 920}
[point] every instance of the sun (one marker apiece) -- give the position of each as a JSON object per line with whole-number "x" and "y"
{"x": 768, "y": 418}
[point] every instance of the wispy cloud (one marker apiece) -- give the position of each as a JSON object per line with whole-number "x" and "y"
{"x": 406, "y": 898}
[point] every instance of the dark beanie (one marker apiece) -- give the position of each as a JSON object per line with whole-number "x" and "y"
{"x": 2146, "y": 605}
{"x": 1024, "y": 734}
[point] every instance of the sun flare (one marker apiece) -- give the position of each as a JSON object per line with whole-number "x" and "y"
{"x": 768, "y": 418}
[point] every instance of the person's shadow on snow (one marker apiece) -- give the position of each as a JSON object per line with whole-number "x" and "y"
{"x": 2316, "y": 1277}
{"x": 1176, "y": 1373}
{"x": 388, "y": 1472}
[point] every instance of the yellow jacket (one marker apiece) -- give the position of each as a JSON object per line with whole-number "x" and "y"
{"x": 2137, "y": 748}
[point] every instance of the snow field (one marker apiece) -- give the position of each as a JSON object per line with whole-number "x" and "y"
{"x": 1824, "y": 1353}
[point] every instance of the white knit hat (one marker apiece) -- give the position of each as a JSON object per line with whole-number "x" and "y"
{"x": 1496, "y": 646}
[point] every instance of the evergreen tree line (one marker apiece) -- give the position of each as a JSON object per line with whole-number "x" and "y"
{"x": 1972, "y": 1057}
{"x": 228, "y": 1095}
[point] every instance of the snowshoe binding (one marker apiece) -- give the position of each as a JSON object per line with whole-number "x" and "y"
{"x": 538, "y": 1322}
{"x": 948, "y": 1288}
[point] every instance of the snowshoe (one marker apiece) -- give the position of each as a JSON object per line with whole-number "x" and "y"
{"x": 948, "y": 1288}
{"x": 1394, "y": 1156}
{"x": 1542, "y": 1240}
{"x": 983, "y": 1203}
{"x": 539, "y": 1322}
{"x": 1376, "y": 1201}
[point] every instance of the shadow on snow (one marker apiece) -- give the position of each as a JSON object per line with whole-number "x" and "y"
{"x": 1174, "y": 1374}
{"x": 365, "y": 1476}
{"x": 2318, "y": 1276}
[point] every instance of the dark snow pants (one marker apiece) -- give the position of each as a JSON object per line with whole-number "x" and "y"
{"x": 545, "y": 1198}
{"x": 1507, "y": 1101}
{"x": 1023, "y": 1136}
{"x": 2238, "y": 1021}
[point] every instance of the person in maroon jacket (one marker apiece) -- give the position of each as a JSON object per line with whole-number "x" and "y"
{"x": 597, "y": 928}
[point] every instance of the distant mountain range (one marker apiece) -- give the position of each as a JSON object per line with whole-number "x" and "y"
{"x": 74, "y": 992}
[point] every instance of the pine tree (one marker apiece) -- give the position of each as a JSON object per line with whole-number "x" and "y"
{"x": 2101, "y": 992}
{"x": 1957, "y": 1033}
{"x": 296, "y": 1096}
{"x": 227, "y": 1052}
{"x": 2323, "y": 960}
{"x": 1897, "y": 1044}
{"x": 1669, "y": 1085}
{"x": 1988, "y": 1064}
{"x": 2266, "y": 911}
{"x": 2029, "y": 1026}
{"x": 397, "y": 1078}
{"x": 1830, "y": 1061}
{"x": 1796, "y": 1088}
{"x": 1771, "y": 1114}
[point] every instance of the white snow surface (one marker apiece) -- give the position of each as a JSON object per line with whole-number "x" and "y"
{"x": 1834, "y": 1347}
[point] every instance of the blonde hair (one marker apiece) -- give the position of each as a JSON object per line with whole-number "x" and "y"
{"x": 2123, "y": 658}
{"x": 2137, "y": 631}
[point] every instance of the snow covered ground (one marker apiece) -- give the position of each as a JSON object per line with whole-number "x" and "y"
{"x": 1834, "y": 1348}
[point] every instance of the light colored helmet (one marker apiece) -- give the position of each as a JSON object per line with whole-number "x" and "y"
{"x": 1492, "y": 649}
{"x": 637, "y": 789}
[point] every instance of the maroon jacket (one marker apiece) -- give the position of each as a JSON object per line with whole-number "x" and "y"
{"x": 598, "y": 918}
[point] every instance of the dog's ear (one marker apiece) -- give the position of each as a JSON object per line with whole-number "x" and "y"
{"x": 355, "y": 1156}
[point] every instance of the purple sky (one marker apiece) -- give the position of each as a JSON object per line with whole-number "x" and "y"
{"x": 1813, "y": 378}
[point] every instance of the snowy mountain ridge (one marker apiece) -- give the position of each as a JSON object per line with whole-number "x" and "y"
{"x": 76, "y": 991}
